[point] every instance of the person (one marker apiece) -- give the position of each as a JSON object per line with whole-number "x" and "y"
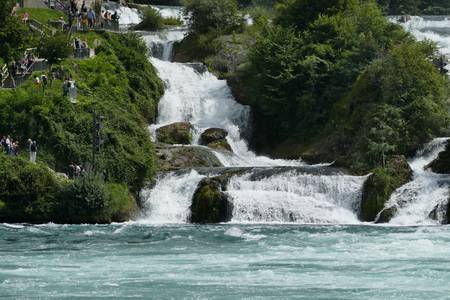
{"x": 91, "y": 18}
{"x": 65, "y": 88}
{"x": 15, "y": 148}
{"x": 44, "y": 81}
{"x": 72, "y": 91}
{"x": 37, "y": 81}
{"x": 14, "y": 10}
{"x": 77, "y": 43}
{"x": 32, "y": 147}
{"x": 73, "y": 7}
{"x": 115, "y": 17}
{"x": 25, "y": 17}
{"x": 8, "y": 147}
{"x": 84, "y": 21}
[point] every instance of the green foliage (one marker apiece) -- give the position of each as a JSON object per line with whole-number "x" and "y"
{"x": 405, "y": 98}
{"x": 28, "y": 191}
{"x": 299, "y": 13}
{"x": 214, "y": 16}
{"x": 381, "y": 184}
{"x": 324, "y": 77}
{"x": 152, "y": 20}
{"x": 172, "y": 21}
{"x": 54, "y": 48}
{"x": 5, "y": 10}
{"x": 118, "y": 83}
{"x": 15, "y": 37}
{"x": 43, "y": 15}
{"x": 85, "y": 201}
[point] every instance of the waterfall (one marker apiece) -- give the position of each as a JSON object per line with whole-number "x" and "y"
{"x": 274, "y": 192}
{"x": 296, "y": 197}
{"x": 415, "y": 200}
{"x": 169, "y": 200}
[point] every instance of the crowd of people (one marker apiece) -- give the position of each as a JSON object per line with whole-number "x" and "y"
{"x": 12, "y": 147}
{"x": 88, "y": 18}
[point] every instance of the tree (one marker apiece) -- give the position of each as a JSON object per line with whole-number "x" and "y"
{"x": 54, "y": 48}
{"x": 214, "y": 15}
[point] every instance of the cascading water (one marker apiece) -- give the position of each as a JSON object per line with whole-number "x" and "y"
{"x": 206, "y": 102}
{"x": 296, "y": 197}
{"x": 416, "y": 200}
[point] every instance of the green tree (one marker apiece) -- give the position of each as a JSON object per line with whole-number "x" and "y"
{"x": 214, "y": 15}
{"x": 54, "y": 48}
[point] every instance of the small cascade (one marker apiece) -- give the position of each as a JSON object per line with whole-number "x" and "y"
{"x": 296, "y": 197}
{"x": 169, "y": 200}
{"x": 417, "y": 199}
{"x": 161, "y": 43}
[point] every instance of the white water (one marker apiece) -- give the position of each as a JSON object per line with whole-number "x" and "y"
{"x": 296, "y": 197}
{"x": 169, "y": 200}
{"x": 416, "y": 199}
{"x": 434, "y": 28}
{"x": 128, "y": 16}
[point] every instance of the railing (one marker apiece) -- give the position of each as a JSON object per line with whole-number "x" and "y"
{"x": 82, "y": 53}
{"x": 41, "y": 28}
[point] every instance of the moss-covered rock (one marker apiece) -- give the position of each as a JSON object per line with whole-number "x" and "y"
{"x": 176, "y": 133}
{"x": 185, "y": 157}
{"x": 210, "y": 204}
{"x": 381, "y": 184}
{"x": 441, "y": 164}
{"x": 215, "y": 138}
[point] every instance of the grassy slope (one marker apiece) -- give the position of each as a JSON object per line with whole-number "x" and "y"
{"x": 42, "y": 15}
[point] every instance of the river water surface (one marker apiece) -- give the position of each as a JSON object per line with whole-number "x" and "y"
{"x": 224, "y": 262}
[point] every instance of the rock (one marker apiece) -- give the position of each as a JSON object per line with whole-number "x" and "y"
{"x": 386, "y": 214}
{"x": 381, "y": 184}
{"x": 184, "y": 157}
{"x": 176, "y": 133}
{"x": 215, "y": 138}
{"x": 210, "y": 204}
{"x": 441, "y": 164}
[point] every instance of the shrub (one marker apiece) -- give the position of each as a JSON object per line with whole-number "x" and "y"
{"x": 86, "y": 200}
{"x": 214, "y": 15}
{"x": 152, "y": 20}
{"x": 54, "y": 48}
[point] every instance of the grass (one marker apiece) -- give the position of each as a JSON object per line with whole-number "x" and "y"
{"x": 42, "y": 15}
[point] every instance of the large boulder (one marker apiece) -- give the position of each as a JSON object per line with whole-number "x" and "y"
{"x": 184, "y": 157}
{"x": 177, "y": 133}
{"x": 386, "y": 214}
{"x": 381, "y": 184}
{"x": 441, "y": 164}
{"x": 210, "y": 204}
{"x": 215, "y": 138}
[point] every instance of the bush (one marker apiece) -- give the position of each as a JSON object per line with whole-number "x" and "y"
{"x": 152, "y": 20}
{"x": 214, "y": 15}
{"x": 54, "y": 48}
{"x": 86, "y": 200}
{"x": 28, "y": 192}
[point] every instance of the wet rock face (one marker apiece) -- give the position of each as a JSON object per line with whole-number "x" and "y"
{"x": 379, "y": 187}
{"x": 176, "y": 133}
{"x": 386, "y": 215}
{"x": 215, "y": 138}
{"x": 210, "y": 204}
{"x": 184, "y": 157}
{"x": 441, "y": 164}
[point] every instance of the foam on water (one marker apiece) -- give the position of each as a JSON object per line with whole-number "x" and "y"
{"x": 128, "y": 16}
